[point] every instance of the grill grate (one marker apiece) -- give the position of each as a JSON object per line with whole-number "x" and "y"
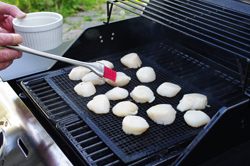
{"x": 214, "y": 25}
{"x": 108, "y": 126}
{"x": 216, "y": 83}
{"x": 46, "y": 98}
{"x": 88, "y": 144}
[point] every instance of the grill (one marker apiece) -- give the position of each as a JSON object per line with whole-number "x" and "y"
{"x": 108, "y": 127}
{"x": 198, "y": 45}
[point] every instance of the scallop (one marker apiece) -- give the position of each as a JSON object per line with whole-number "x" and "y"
{"x": 168, "y": 89}
{"x": 92, "y": 77}
{"x": 146, "y": 74}
{"x": 121, "y": 79}
{"x": 196, "y": 118}
{"x": 78, "y": 72}
{"x": 131, "y": 60}
{"x": 192, "y": 101}
{"x": 162, "y": 114}
{"x": 99, "y": 104}
{"x": 125, "y": 108}
{"x": 117, "y": 93}
{"x": 85, "y": 89}
{"x": 107, "y": 63}
{"x": 135, "y": 125}
{"x": 142, "y": 94}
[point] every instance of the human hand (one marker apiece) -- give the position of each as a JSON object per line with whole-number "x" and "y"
{"x": 7, "y": 34}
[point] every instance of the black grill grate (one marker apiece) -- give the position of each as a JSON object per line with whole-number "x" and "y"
{"x": 108, "y": 126}
{"x": 88, "y": 144}
{"x": 48, "y": 99}
{"x": 216, "y": 83}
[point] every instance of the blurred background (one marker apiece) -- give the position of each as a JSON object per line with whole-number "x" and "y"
{"x": 77, "y": 14}
{"x": 64, "y": 7}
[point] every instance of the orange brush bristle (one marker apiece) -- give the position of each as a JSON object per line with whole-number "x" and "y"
{"x": 109, "y": 73}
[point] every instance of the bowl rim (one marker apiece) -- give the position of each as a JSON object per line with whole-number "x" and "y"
{"x": 38, "y": 28}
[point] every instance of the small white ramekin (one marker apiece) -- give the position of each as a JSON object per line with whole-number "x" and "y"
{"x": 41, "y": 30}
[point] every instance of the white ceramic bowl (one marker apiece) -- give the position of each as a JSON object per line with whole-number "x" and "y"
{"x": 41, "y": 31}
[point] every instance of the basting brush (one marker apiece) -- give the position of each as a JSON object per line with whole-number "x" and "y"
{"x": 98, "y": 68}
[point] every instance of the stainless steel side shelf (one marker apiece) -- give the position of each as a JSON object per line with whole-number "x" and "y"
{"x": 23, "y": 140}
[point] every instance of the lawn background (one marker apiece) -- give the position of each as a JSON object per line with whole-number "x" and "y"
{"x": 64, "y": 7}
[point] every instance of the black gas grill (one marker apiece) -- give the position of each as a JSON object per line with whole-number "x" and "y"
{"x": 202, "y": 47}
{"x": 108, "y": 127}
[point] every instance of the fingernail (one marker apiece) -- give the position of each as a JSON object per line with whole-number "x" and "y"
{"x": 20, "y": 15}
{"x": 1, "y": 30}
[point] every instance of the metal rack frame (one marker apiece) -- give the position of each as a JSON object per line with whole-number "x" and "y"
{"x": 200, "y": 20}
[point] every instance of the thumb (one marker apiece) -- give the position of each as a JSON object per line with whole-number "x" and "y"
{"x": 10, "y": 39}
{"x": 6, "y": 9}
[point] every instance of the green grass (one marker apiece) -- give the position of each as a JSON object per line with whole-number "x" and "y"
{"x": 64, "y": 7}
{"x": 87, "y": 18}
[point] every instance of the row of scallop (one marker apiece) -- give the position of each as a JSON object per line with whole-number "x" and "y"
{"x": 161, "y": 114}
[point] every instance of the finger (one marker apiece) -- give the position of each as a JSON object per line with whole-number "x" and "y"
{"x": 7, "y": 25}
{"x": 9, "y": 55}
{"x": 6, "y": 9}
{"x": 10, "y": 39}
{"x": 17, "y": 39}
{"x": 4, "y": 65}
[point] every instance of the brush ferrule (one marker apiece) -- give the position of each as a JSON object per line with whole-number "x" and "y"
{"x": 97, "y": 68}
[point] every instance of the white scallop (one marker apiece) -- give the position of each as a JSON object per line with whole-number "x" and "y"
{"x": 162, "y": 114}
{"x": 78, "y": 72}
{"x": 92, "y": 77}
{"x": 85, "y": 89}
{"x": 146, "y": 74}
{"x": 99, "y": 104}
{"x": 196, "y": 118}
{"x": 192, "y": 101}
{"x": 107, "y": 63}
{"x": 131, "y": 60}
{"x": 168, "y": 89}
{"x": 125, "y": 108}
{"x": 121, "y": 79}
{"x": 135, "y": 125}
{"x": 142, "y": 94}
{"x": 117, "y": 93}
